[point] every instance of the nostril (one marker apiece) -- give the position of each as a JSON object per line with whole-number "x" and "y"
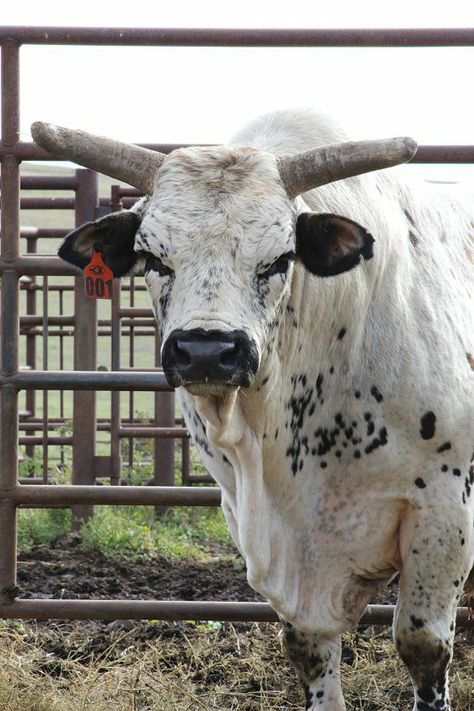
{"x": 230, "y": 355}
{"x": 183, "y": 358}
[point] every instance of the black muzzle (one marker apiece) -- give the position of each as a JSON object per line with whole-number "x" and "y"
{"x": 210, "y": 357}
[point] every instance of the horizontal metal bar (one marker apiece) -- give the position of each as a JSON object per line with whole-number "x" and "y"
{"x": 134, "y": 312}
{"x": 43, "y": 232}
{"x": 85, "y": 380}
{"x": 175, "y": 610}
{"x": 26, "y": 150}
{"x": 138, "y": 610}
{"x": 444, "y": 154}
{"x": 32, "y": 320}
{"x": 425, "y": 153}
{"x": 45, "y": 182}
{"x": 198, "y": 479}
{"x": 105, "y": 495}
{"x": 45, "y": 440}
{"x": 47, "y": 203}
{"x": 40, "y": 266}
{"x": 158, "y": 432}
{"x": 124, "y": 36}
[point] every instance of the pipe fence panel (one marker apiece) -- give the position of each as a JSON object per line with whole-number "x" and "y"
{"x": 54, "y": 340}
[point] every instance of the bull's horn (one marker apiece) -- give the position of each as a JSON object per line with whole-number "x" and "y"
{"x": 319, "y": 166}
{"x": 134, "y": 165}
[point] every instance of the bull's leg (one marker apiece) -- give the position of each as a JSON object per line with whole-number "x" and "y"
{"x": 317, "y": 660}
{"x": 436, "y": 554}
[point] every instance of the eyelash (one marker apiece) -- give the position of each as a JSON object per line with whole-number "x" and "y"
{"x": 154, "y": 264}
{"x": 279, "y": 266}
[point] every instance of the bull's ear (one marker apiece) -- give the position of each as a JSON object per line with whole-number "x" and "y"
{"x": 115, "y": 235}
{"x": 329, "y": 244}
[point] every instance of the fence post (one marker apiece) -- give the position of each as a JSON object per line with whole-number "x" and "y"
{"x": 30, "y": 287}
{"x": 115, "y": 362}
{"x": 9, "y": 313}
{"x": 85, "y": 357}
{"x": 164, "y": 448}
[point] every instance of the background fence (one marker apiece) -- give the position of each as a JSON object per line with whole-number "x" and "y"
{"x": 55, "y": 340}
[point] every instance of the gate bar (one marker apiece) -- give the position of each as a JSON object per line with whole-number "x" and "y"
{"x": 203, "y": 37}
{"x": 175, "y": 610}
{"x": 445, "y": 153}
{"x": 85, "y": 380}
{"x": 104, "y": 495}
{"x": 9, "y": 309}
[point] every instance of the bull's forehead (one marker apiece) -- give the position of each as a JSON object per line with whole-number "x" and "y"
{"x": 219, "y": 198}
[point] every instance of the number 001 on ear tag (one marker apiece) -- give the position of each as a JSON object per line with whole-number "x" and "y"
{"x": 98, "y": 277}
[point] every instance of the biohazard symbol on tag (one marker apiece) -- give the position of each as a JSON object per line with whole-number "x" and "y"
{"x": 98, "y": 277}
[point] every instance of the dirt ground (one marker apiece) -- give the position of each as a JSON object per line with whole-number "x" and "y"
{"x": 179, "y": 666}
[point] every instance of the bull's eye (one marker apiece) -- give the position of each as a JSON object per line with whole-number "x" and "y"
{"x": 154, "y": 264}
{"x": 280, "y": 266}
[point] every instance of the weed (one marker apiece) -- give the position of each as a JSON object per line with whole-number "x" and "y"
{"x": 121, "y": 531}
{"x": 40, "y": 526}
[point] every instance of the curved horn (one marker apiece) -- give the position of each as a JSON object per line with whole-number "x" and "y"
{"x": 134, "y": 165}
{"x": 319, "y": 166}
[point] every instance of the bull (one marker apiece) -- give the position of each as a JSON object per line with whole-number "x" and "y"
{"x": 321, "y": 338}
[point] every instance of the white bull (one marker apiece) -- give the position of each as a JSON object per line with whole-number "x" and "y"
{"x": 330, "y": 393}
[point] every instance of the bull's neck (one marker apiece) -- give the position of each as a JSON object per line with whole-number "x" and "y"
{"x": 319, "y": 337}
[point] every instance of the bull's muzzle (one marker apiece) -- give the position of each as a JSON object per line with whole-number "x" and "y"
{"x": 197, "y": 356}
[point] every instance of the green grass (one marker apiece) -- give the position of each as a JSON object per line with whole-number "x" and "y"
{"x": 135, "y": 531}
{"x": 128, "y": 531}
{"x": 42, "y": 526}
{"x": 132, "y": 532}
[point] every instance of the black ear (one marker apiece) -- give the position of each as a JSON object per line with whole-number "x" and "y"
{"x": 114, "y": 233}
{"x": 329, "y": 244}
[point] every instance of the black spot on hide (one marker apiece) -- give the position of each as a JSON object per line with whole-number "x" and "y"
{"x": 427, "y": 422}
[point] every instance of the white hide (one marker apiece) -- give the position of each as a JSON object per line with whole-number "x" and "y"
{"x": 319, "y": 532}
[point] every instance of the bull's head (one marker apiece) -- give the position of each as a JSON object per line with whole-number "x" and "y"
{"x": 217, "y": 236}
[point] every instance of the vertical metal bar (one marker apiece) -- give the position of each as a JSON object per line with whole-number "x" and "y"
{"x": 9, "y": 309}
{"x": 131, "y": 363}
{"x": 30, "y": 397}
{"x": 85, "y": 356}
{"x": 164, "y": 448}
{"x": 61, "y": 366}
{"x": 115, "y": 328}
{"x": 45, "y": 392}
{"x": 185, "y": 460}
{"x": 115, "y": 325}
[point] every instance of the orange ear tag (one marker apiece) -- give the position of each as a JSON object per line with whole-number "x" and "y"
{"x": 98, "y": 277}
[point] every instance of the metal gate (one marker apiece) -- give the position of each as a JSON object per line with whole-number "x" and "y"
{"x": 85, "y": 380}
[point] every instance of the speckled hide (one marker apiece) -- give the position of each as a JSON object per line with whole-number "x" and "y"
{"x": 349, "y": 457}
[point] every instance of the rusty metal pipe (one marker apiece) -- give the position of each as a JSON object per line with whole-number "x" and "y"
{"x": 175, "y": 610}
{"x": 204, "y": 37}
{"x": 157, "y": 432}
{"x": 45, "y": 440}
{"x": 45, "y": 182}
{"x": 425, "y": 153}
{"x": 30, "y": 320}
{"x": 9, "y": 310}
{"x": 39, "y": 266}
{"x": 25, "y": 150}
{"x": 85, "y": 380}
{"x": 108, "y": 495}
{"x": 47, "y": 203}
{"x": 43, "y": 232}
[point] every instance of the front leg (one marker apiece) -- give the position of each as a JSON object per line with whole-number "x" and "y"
{"x": 317, "y": 660}
{"x": 436, "y": 558}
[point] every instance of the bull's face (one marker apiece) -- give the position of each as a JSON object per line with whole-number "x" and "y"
{"x": 217, "y": 241}
{"x": 217, "y": 237}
